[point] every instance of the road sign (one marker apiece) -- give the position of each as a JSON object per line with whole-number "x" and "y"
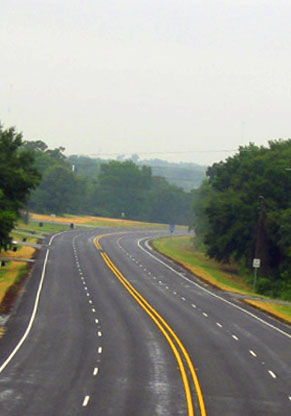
{"x": 256, "y": 263}
{"x": 172, "y": 228}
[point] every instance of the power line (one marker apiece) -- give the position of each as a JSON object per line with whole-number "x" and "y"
{"x": 164, "y": 153}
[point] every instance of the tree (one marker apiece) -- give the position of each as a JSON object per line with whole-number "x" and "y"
{"x": 57, "y": 192}
{"x": 122, "y": 188}
{"x": 248, "y": 207}
{"x": 18, "y": 176}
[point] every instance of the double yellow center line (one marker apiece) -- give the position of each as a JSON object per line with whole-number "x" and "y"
{"x": 175, "y": 343}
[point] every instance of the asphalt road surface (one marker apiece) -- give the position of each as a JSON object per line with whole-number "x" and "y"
{"x": 106, "y": 326}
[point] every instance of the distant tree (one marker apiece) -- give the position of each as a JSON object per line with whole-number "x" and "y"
{"x": 122, "y": 187}
{"x": 57, "y": 192}
{"x": 18, "y": 176}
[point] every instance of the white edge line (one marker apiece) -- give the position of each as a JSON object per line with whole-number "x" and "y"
{"x": 34, "y": 311}
{"x": 31, "y": 318}
{"x": 212, "y": 294}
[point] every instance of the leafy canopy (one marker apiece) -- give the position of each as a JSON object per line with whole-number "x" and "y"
{"x": 18, "y": 177}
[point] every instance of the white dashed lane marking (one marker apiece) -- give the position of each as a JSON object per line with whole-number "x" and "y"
{"x": 86, "y": 401}
{"x": 100, "y": 350}
{"x": 205, "y": 314}
{"x": 272, "y": 374}
{"x": 252, "y": 353}
{"x": 235, "y": 337}
{"x": 95, "y": 371}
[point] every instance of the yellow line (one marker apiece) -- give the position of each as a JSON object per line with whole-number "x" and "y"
{"x": 159, "y": 322}
{"x": 123, "y": 280}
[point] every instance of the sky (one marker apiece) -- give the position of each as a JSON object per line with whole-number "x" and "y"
{"x": 181, "y": 80}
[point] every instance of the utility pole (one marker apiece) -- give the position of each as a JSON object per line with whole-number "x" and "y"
{"x": 260, "y": 242}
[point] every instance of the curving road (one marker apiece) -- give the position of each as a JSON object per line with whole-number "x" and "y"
{"x": 106, "y": 326}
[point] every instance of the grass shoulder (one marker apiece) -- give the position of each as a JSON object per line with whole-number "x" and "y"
{"x": 224, "y": 277}
{"x": 82, "y": 220}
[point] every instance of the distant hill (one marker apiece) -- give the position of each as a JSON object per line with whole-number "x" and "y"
{"x": 185, "y": 175}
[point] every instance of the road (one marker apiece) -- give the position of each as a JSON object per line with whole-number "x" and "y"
{"x": 106, "y": 327}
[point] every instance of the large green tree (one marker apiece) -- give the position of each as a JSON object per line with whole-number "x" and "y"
{"x": 248, "y": 208}
{"x": 18, "y": 176}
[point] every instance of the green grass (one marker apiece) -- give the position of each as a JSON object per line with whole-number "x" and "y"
{"x": 280, "y": 311}
{"x": 285, "y": 309}
{"x": 46, "y": 228}
{"x": 182, "y": 250}
{"x": 225, "y": 277}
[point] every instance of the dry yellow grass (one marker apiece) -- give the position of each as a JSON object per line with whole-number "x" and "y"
{"x": 202, "y": 274}
{"x": 80, "y": 220}
{"x": 11, "y": 271}
{"x": 77, "y": 220}
{"x": 23, "y": 253}
{"x": 8, "y": 276}
{"x": 91, "y": 220}
{"x": 272, "y": 308}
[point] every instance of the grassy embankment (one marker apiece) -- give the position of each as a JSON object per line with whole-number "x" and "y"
{"x": 98, "y": 221}
{"x": 225, "y": 277}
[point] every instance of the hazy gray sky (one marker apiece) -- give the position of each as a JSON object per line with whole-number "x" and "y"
{"x": 143, "y": 76}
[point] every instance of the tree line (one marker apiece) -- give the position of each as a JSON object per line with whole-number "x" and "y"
{"x": 44, "y": 180}
{"x": 242, "y": 211}
{"x": 118, "y": 189}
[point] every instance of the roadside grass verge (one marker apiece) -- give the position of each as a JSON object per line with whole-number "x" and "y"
{"x": 12, "y": 276}
{"x": 224, "y": 277}
{"x": 98, "y": 221}
{"x": 182, "y": 250}
{"x": 280, "y": 311}
{"x": 34, "y": 227}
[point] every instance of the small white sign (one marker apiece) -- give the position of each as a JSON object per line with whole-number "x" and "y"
{"x": 256, "y": 263}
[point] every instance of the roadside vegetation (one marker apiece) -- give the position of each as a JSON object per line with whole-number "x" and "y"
{"x": 226, "y": 277}
{"x": 90, "y": 221}
{"x": 242, "y": 211}
{"x": 120, "y": 189}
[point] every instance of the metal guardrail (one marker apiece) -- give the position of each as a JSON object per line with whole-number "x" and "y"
{"x": 26, "y": 244}
{"x": 6, "y": 259}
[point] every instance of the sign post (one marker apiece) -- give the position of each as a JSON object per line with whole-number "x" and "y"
{"x": 256, "y": 266}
